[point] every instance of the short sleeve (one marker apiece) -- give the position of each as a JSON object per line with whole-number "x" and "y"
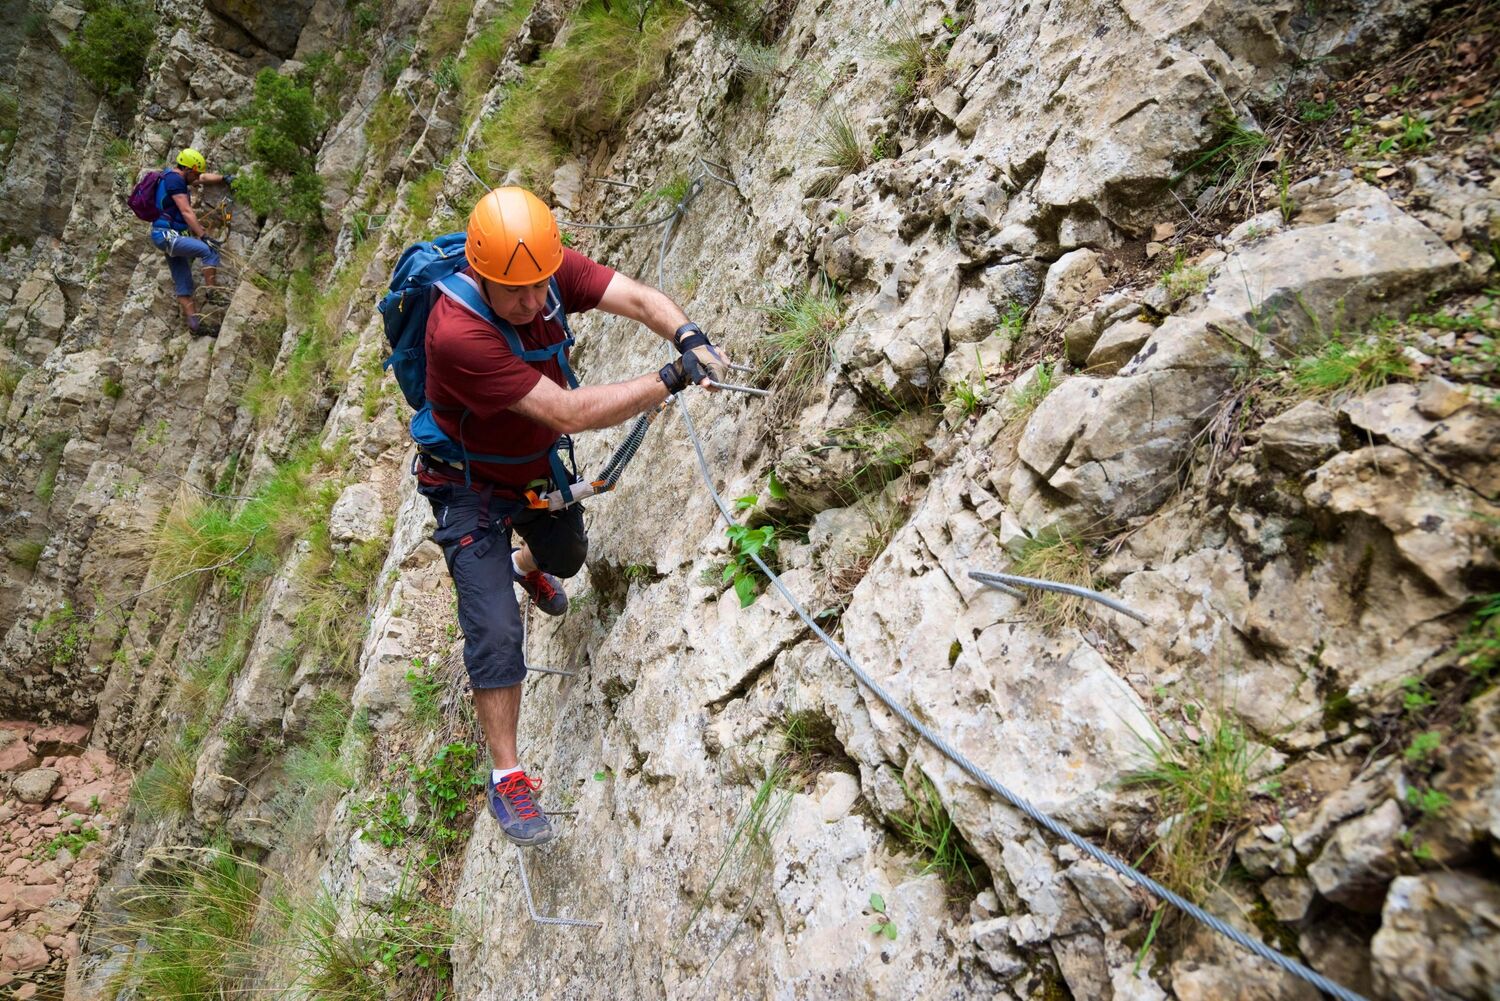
{"x": 582, "y": 281}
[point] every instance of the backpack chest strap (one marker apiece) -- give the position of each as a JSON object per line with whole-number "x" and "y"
{"x": 465, "y": 291}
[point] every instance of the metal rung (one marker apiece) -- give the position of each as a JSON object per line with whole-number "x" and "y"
{"x": 739, "y": 389}
{"x": 543, "y": 919}
{"x": 551, "y": 670}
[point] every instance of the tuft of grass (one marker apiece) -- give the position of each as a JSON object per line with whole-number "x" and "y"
{"x": 841, "y": 149}
{"x": 916, "y": 62}
{"x": 446, "y": 29}
{"x": 427, "y": 689}
{"x": 1315, "y": 111}
{"x": 25, "y": 552}
{"x": 1231, "y": 160}
{"x": 165, "y": 788}
{"x": 117, "y": 150}
{"x": 315, "y": 763}
{"x": 1182, "y": 279}
{"x": 1063, "y": 559}
{"x": 111, "y": 45}
{"x": 402, "y": 952}
{"x": 610, "y": 62}
{"x": 480, "y": 61}
{"x": 746, "y": 859}
{"x": 387, "y": 122}
{"x": 192, "y": 926}
{"x": 51, "y": 449}
{"x": 10, "y": 378}
{"x": 1344, "y": 367}
{"x": 336, "y": 587}
{"x": 1022, "y": 403}
{"x": 929, "y": 829}
{"x": 801, "y": 328}
{"x": 1202, "y": 789}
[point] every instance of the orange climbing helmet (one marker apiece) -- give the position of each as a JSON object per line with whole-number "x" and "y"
{"x": 513, "y": 239}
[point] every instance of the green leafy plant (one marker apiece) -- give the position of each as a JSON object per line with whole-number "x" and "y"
{"x": 74, "y": 840}
{"x": 1415, "y": 696}
{"x": 1423, "y": 746}
{"x": 1413, "y": 136}
{"x": 446, "y": 785}
{"x": 1428, "y": 802}
{"x": 111, "y": 45}
{"x": 1479, "y": 648}
{"x": 741, "y": 569}
{"x": 883, "y": 924}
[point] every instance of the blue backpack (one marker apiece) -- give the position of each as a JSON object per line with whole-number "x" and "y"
{"x": 432, "y": 268}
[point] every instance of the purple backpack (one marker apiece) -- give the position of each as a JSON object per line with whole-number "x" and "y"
{"x": 145, "y": 200}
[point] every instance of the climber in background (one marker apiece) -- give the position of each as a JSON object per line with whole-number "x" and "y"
{"x": 177, "y": 233}
{"x": 494, "y": 405}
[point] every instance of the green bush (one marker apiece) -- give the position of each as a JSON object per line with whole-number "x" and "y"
{"x": 285, "y": 123}
{"x": 109, "y": 48}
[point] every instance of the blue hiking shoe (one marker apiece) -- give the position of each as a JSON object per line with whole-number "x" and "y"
{"x": 521, "y": 820}
{"x": 546, "y": 591}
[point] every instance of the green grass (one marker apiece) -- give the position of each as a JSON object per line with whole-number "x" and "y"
{"x": 1062, "y": 559}
{"x": 929, "y": 829}
{"x": 801, "y": 327}
{"x": 1231, "y": 159}
{"x": 610, "y": 63}
{"x": 1182, "y": 279}
{"x": 243, "y": 542}
{"x": 118, "y": 150}
{"x": 111, "y": 46}
{"x": 446, "y": 29}
{"x": 1022, "y": 403}
{"x": 165, "y": 789}
{"x": 427, "y": 689}
{"x": 747, "y": 858}
{"x": 336, "y": 587}
{"x": 481, "y": 59}
{"x": 204, "y": 687}
{"x": 1315, "y": 111}
{"x": 1345, "y": 367}
{"x": 25, "y": 552}
{"x": 51, "y": 449}
{"x": 388, "y": 119}
{"x": 1202, "y": 789}
{"x": 315, "y": 763}
{"x": 841, "y": 150}
{"x": 1479, "y": 648}
{"x": 402, "y": 952}
{"x": 193, "y": 927}
{"x": 916, "y": 62}
{"x": 10, "y": 378}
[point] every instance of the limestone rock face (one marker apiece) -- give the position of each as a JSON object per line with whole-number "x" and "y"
{"x": 1437, "y": 937}
{"x": 1360, "y": 859}
{"x": 275, "y": 26}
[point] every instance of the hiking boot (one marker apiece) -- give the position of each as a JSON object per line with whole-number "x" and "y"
{"x": 521, "y": 820}
{"x": 205, "y": 328}
{"x": 546, "y": 591}
{"x": 214, "y": 295}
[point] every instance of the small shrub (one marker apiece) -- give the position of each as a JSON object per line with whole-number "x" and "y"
{"x": 113, "y": 388}
{"x": 1479, "y": 648}
{"x": 285, "y": 124}
{"x": 1424, "y": 746}
{"x": 402, "y": 951}
{"x": 110, "y": 47}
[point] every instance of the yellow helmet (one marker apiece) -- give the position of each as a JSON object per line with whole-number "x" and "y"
{"x": 192, "y": 159}
{"x": 513, "y": 239}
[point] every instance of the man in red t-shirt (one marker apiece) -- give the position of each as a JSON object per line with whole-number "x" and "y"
{"x": 499, "y": 405}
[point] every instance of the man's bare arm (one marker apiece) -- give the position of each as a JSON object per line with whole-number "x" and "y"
{"x": 567, "y": 411}
{"x": 633, "y": 300}
{"x": 188, "y": 216}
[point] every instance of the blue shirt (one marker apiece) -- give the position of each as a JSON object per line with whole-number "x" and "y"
{"x": 173, "y": 183}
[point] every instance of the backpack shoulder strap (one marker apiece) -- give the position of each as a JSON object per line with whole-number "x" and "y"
{"x": 465, "y": 291}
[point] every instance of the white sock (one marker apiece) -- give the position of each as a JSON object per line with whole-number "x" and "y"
{"x": 498, "y": 775}
{"x": 515, "y": 565}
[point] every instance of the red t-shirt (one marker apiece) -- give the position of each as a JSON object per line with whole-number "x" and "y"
{"x": 470, "y": 367}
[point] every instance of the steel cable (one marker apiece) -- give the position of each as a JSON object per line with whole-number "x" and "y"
{"x": 979, "y": 775}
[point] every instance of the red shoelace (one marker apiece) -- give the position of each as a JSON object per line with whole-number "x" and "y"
{"x": 517, "y": 788}
{"x": 544, "y": 589}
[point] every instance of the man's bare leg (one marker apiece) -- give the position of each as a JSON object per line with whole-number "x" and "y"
{"x": 499, "y": 711}
{"x": 524, "y": 562}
